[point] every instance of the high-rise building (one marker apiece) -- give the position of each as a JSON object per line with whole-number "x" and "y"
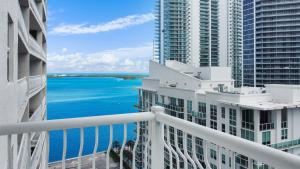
{"x": 23, "y": 61}
{"x": 207, "y": 96}
{"x": 202, "y": 33}
{"x": 271, "y": 42}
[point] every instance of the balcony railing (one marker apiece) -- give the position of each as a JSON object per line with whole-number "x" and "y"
{"x": 22, "y": 96}
{"x": 266, "y": 126}
{"x": 248, "y": 125}
{"x": 286, "y": 144}
{"x": 156, "y": 142}
{"x": 36, "y": 49}
{"x": 171, "y": 107}
{"x": 35, "y": 83}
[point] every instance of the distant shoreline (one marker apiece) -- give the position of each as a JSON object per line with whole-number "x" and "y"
{"x": 122, "y": 76}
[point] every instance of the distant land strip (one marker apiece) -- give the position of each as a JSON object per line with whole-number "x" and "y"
{"x": 122, "y": 76}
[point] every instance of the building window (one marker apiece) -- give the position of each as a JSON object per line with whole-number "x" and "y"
{"x": 232, "y": 122}
{"x": 202, "y": 114}
{"x": 212, "y": 166}
{"x": 232, "y": 117}
{"x": 266, "y": 138}
{"x": 213, "y": 117}
{"x": 242, "y": 161}
{"x": 223, "y": 159}
{"x": 156, "y": 98}
{"x": 202, "y": 108}
{"x": 223, "y": 128}
{"x": 162, "y": 99}
{"x": 213, "y": 125}
{"x": 223, "y": 112}
{"x": 266, "y": 120}
{"x": 284, "y": 134}
{"x": 284, "y": 118}
{"x": 247, "y": 134}
{"x": 181, "y": 103}
{"x": 232, "y": 130}
{"x": 248, "y": 119}
{"x": 213, "y": 112}
{"x": 189, "y": 106}
{"x": 213, "y": 154}
{"x": 10, "y": 41}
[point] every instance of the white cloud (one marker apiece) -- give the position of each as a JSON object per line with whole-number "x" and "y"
{"x": 117, "y": 60}
{"x": 120, "y": 23}
{"x": 64, "y": 49}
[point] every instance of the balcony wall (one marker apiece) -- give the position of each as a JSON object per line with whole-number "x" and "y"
{"x": 36, "y": 49}
{"x": 22, "y": 89}
{"x": 35, "y": 83}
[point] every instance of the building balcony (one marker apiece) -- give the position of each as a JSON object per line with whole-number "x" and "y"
{"x": 36, "y": 49}
{"x": 247, "y": 125}
{"x": 22, "y": 27}
{"x": 171, "y": 107}
{"x": 22, "y": 89}
{"x": 266, "y": 126}
{"x": 38, "y": 114}
{"x": 286, "y": 144}
{"x": 36, "y": 83}
{"x": 37, "y": 15}
{"x": 156, "y": 141}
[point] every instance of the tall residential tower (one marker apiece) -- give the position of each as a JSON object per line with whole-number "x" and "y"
{"x": 271, "y": 42}
{"x": 202, "y": 33}
{"x": 22, "y": 79}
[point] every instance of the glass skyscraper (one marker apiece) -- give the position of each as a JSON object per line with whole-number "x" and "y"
{"x": 202, "y": 33}
{"x": 271, "y": 42}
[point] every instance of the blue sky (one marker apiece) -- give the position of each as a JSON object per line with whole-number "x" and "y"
{"x": 100, "y": 35}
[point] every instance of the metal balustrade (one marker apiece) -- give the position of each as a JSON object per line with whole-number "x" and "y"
{"x": 266, "y": 126}
{"x": 158, "y": 124}
{"x": 248, "y": 125}
{"x": 286, "y": 144}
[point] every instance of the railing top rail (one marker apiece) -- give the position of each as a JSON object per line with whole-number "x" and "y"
{"x": 48, "y": 125}
{"x": 265, "y": 154}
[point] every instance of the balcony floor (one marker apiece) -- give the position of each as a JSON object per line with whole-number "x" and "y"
{"x": 86, "y": 163}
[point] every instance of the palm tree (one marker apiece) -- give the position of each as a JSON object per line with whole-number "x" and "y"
{"x": 130, "y": 144}
{"x": 116, "y": 146}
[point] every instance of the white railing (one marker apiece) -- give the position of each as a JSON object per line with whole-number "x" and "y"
{"x": 35, "y": 83}
{"x": 157, "y": 123}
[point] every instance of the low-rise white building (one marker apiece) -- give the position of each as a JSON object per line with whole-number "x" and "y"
{"x": 207, "y": 96}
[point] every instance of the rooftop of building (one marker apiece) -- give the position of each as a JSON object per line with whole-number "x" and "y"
{"x": 218, "y": 81}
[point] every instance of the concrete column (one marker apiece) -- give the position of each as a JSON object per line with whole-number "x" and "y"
{"x": 256, "y": 125}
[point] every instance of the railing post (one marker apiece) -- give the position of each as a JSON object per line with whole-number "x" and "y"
{"x": 156, "y": 135}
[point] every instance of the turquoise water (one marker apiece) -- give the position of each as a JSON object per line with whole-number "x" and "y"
{"x": 81, "y": 97}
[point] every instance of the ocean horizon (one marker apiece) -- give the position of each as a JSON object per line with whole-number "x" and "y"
{"x": 71, "y": 97}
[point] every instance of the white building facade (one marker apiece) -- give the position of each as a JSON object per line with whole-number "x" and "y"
{"x": 202, "y": 33}
{"x": 207, "y": 96}
{"x": 23, "y": 47}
